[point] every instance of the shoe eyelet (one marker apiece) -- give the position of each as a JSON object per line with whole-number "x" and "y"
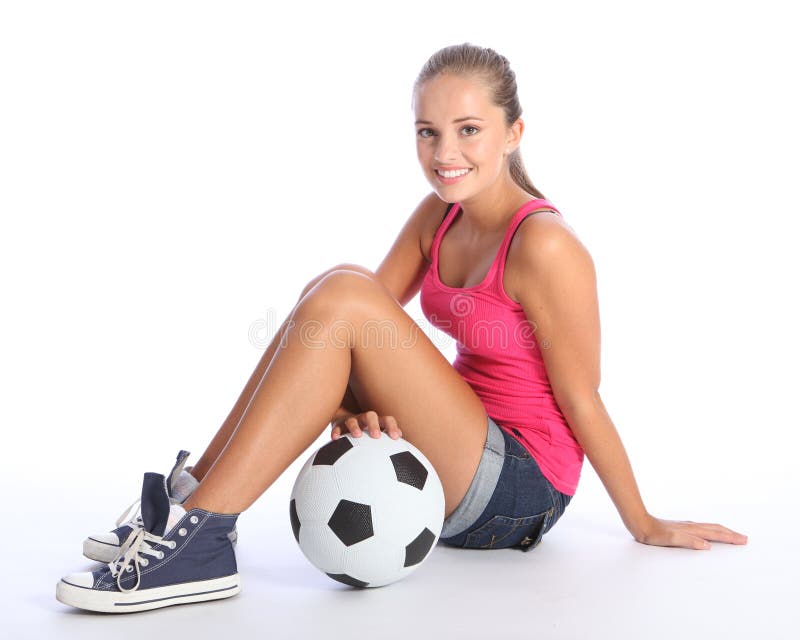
{"x": 144, "y": 562}
{"x": 160, "y": 555}
{"x": 181, "y": 531}
{"x": 193, "y": 519}
{"x": 129, "y": 569}
{"x": 172, "y": 544}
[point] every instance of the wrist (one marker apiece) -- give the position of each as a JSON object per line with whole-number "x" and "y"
{"x": 640, "y": 526}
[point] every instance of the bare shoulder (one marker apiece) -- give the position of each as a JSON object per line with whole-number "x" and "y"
{"x": 542, "y": 242}
{"x": 429, "y": 213}
{"x": 405, "y": 265}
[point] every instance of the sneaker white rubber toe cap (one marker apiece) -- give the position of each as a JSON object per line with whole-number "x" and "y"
{"x": 84, "y": 579}
{"x": 102, "y": 547}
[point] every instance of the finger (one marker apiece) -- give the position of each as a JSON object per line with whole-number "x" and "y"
{"x": 392, "y": 428}
{"x": 700, "y": 544}
{"x": 353, "y": 427}
{"x": 723, "y": 534}
{"x": 688, "y": 541}
{"x": 679, "y": 536}
{"x": 373, "y": 424}
{"x": 693, "y": 541}
{"x": 335, "y": 432}
{"x": 718, "y": 533}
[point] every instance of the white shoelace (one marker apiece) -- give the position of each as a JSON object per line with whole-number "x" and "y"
{"x": 137, "y": 520}
{"x": 131, "y": 521}
{"x": 137, "y": 544}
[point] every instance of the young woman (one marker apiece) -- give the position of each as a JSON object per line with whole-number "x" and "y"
{"x": 506, "y": 425}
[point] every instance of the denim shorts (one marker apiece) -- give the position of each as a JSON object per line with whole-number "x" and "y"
{"x": 509, "y": 503}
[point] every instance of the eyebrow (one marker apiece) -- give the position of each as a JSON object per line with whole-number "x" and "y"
{"x": 454, "y": 121}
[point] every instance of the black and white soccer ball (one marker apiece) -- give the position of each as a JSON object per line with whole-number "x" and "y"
{"x": 367, "y": 511}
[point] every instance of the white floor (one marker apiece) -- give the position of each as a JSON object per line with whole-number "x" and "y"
{"x": 154, "y": 230}
{"x": 587, "y": 579}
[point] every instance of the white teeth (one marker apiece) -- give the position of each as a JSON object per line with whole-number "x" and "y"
{"x": 452, "y": 174}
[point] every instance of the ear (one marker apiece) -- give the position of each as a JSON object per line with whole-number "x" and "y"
{"x": 515, "y": 135}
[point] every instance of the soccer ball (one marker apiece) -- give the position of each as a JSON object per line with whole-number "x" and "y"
{"x": 367, "y": 511}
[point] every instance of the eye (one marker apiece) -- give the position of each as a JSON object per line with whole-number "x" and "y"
{"x": 469, "y": 129}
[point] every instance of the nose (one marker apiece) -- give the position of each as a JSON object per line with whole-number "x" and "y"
{"x": 446, "y": 149}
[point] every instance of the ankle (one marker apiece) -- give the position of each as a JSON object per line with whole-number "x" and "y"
{"x": 196, "y": 473}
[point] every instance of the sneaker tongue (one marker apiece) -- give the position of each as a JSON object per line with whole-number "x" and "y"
{"x": 184, "y": 487}
{"x": 180, "y": 460}
{"x": 155, "y": 503}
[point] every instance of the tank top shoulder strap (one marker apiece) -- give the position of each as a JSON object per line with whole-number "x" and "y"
{"x": 450, "y": 205}
{"x": 537, "y": 205}
{"x": 452, "y": 209}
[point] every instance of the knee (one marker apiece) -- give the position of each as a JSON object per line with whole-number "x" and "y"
{"x": 349, "y": 266}
{"x": 340, "y": 290}
{"x": 345, "y": 266}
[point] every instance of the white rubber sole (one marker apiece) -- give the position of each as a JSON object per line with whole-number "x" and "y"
{"x": 104, "y": 552}
{"x": 144, "y": 599}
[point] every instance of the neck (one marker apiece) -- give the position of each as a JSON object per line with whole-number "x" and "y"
{"x": 489, "y": 211}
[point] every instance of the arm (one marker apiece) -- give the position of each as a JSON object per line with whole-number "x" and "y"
{"x": 557, "y": 288}
{"x": 559, "y": 296}
{"x": 403, "y": 269}
{"x": 598, "y": 437}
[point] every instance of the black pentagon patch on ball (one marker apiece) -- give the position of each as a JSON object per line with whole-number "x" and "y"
{"x": 351, "y": 522}
{"x": 332, "y": 451}
{"x": 343, "y": 577}
{"x": 409, "y": 469}
{"x": 295, "y": 520}
{"x": 419, "y": 547}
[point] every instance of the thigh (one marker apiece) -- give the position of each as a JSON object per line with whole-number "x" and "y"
{"x": 397, "y": 371}
{"x": 523, "y": 506}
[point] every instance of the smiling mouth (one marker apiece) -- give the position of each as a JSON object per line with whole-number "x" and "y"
{"x": 452, "y": 174}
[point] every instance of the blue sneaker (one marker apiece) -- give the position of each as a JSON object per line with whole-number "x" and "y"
{"x": 104, "y": 547}
{"x": 160, "y": 563}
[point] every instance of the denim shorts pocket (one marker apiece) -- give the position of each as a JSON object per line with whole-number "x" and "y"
{"x": 501, "y": 532}
{"x": 515, "y": 448}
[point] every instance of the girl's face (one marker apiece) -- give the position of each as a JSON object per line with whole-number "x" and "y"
{"x": 462, "y": 138}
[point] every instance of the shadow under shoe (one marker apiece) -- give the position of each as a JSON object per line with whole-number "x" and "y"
{"x": 193, "y": 561}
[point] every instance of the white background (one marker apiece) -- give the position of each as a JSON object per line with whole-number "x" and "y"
{"x": 173, "y": 173}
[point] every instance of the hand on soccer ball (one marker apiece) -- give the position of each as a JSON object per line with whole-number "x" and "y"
{"x": 368, "y": 421}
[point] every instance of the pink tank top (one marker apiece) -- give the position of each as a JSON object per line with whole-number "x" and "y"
{"x": 499, "y": 357}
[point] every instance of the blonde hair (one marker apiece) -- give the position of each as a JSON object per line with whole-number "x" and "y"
{"x": 496, "y": 73}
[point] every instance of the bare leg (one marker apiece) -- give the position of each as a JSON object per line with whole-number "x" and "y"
{"x": 223, "y": 435}
{"x": 211, "y": 453}
{"x": 280, "y": 422}
{"x": 306, "y": 379}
